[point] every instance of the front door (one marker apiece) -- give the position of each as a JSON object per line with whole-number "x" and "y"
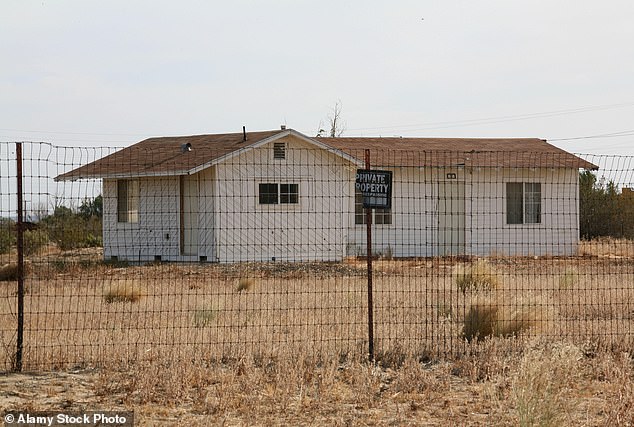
{"x": 189, "y": 214}
{"x": 451, "y": 218}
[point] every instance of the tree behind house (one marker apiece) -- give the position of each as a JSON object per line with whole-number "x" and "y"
{"x": 603, "y": 210}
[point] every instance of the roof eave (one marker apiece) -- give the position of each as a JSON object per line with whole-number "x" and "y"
{"x": 121, "y": 175}
{"x": 270, "y": 139}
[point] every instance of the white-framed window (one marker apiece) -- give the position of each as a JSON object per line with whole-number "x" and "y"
{"x": 128, "y": 200}
{"x": 379, "y": 215}
{"x": 275, "y": 193}
{"x": 523, "y": 203}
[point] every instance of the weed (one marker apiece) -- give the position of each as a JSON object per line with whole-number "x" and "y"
{"x": 116, "y": 263}
{"x": 60, "y": 265}
{"x": 204, "y": 316}
{"x": 568, "y": 279}
{"x": 477, "y": 276}
{"x": 34, "y": 240}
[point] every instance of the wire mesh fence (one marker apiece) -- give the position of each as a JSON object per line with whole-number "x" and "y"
{"x": 215, "y": 251}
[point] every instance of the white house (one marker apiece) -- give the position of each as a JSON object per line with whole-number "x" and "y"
{"x": 281, "y": 195}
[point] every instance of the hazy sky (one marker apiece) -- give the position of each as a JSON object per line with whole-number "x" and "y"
{"x": 115, "y": 72}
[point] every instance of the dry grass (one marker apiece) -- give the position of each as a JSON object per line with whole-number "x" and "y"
{"x": 477, "y": 276}
{"x": 418, "y": 311}
{"x": 192, "y": 350}
{"x": 607, "y": 247}
{"x": 123, "y": 291}
{"x": 507, "y": 317}
{"x": 568, "y": 279}
{"x": 541, "y": 384}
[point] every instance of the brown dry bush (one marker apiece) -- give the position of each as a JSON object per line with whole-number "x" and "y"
{"x": 123, "y": 291}
{"x": 9, "y": 272}
{"x": 245, "y": 284}
{"x": 506, "y": 317}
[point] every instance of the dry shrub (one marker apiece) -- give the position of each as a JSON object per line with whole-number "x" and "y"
{"x": 568, "y": 279}
{"x": 541, "y": 386}
{"x": 505, "y": 318}
{"x": 245, "y": 284}
{"x": 205, "y": 316}
{"x": 9, "y": 272}
{"x": 124, "y": 291}
{"x": 476, "y": 276}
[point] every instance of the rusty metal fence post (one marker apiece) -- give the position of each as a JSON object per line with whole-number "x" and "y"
{"x": 20, "y": 266}
{"x": 368, "y": 216}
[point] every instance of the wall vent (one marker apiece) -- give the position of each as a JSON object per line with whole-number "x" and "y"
{"x": 279, "y": 150}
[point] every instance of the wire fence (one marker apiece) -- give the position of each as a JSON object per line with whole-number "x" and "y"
{"x": 263, "y": 251}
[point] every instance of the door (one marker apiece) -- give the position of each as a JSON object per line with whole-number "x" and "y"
{"x": 189, "y": 214}
{"x": 451, "y": 218}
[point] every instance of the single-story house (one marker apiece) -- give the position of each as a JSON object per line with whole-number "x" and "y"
{"x": 282, "y": 195}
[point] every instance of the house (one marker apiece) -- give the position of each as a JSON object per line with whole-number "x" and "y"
{"x": 281, "y": 195}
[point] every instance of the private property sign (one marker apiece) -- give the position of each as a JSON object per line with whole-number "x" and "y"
{"x": 376, "y": 188}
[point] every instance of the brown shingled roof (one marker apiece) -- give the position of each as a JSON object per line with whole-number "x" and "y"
{"x": 164, "y": 156}
{"x": 477, "y": 152}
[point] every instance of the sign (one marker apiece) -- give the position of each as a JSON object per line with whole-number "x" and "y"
{"x": 376, "y": 188}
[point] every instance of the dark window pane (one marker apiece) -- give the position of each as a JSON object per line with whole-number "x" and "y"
{"x": 268, "y": 194}
{"x": 122, "y": 200}
{"x": 514, "y": 203}
{"x": 382, "y": 216}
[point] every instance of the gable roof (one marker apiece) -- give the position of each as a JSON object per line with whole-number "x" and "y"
{"x": 165, "y": 156}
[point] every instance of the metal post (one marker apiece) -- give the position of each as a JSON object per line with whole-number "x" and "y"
{"x": 368, "y": 220}
{"x": 20, "y": 246}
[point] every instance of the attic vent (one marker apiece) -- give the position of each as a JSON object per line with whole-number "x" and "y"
{"x": 279, "y": 150}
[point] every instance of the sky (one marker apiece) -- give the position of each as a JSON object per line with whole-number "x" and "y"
{"x": 95, "y": 73}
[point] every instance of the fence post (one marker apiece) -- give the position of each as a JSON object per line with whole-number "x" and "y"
{"x": 20, "y": 266}
{"x": 368, "y": 220}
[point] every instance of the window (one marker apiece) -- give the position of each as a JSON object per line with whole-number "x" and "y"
{"x": 381, "y": 216}
{"x": 289, "y": 193}
{"x": 279, "y": 150}
{"x": 274, "y": 193}
{"x": 523, "y": 203}
{"x": 128, "y": 200}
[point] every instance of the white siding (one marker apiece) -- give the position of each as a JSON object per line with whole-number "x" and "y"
{"x": 558, "y": 232}
{"x": 157, "y": 231}
{"x": 413, "y": 231}
{"x": 415, "y": 214}
{"x": 313, "y": 229}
